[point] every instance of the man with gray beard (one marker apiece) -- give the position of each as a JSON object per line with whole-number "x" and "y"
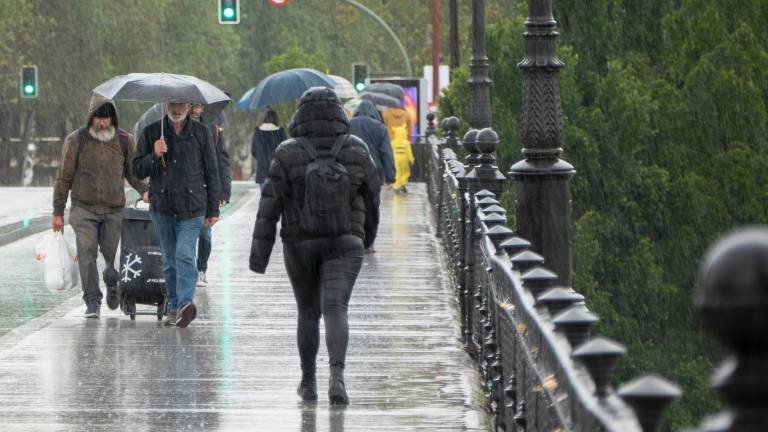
{"x": 95, "y": 160}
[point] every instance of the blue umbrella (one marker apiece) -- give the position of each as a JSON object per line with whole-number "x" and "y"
{"x": 283, "y": 87}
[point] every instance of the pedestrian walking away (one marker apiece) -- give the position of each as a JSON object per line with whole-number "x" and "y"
{"x": 366, "y": 124}
{"x": 266, "y": 138}
{"x": 401, "y": 147}
{"x": 394, "y": 117}
{"x": 95, "y": 160}
{"x": 204, "y": 241}
{"x": 324, "y": 188}
{"x": 184, "y": 194}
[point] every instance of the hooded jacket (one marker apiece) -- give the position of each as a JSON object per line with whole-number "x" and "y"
{"x": 321, "y": 119}
{"x": 394, "y": 117}
{"x": 188, "y": 185}
{"x": 366, "y": 125}
{"x": 93, "y": 171}
{"x": 266, "y": 138}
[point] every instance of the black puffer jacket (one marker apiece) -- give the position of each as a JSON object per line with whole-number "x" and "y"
{"x": 188, "y": 186}
{"x": 321, "y": 119}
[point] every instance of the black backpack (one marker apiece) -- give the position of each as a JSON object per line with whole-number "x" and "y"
{"x": 326, "y": 209}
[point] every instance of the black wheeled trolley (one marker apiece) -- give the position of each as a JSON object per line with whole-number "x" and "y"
{"x": 141, "y": 265}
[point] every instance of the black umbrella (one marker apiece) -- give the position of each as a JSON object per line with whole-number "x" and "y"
{"x": 160, "y": 87}
{"x": 382, "y": 100}
{"x": 386, "y": 88}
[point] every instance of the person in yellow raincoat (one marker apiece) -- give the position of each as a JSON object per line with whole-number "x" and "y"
{"x": 401, "y": 149}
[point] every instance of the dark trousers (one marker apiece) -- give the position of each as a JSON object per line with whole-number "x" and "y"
{"x": 94, "y": 232}
{"x": 203, "y": 248}
{"x": 322, "y": 274}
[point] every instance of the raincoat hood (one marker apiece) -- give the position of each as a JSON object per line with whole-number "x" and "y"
{"x": 97, "y": 101}
{"x": 319, "y": 114}
{"x": 398, "y": 115}
{"x": 368, "y": 109}
{"x": 400, "y": 133}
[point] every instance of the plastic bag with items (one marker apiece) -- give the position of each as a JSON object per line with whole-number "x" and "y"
{"x": 60, "y": 269}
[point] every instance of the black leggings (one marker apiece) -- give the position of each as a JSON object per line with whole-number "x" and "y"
{"x": 323, "y": 272}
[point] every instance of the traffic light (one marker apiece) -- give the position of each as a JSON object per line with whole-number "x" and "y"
{"x": 28, "y": 83}
{"x": 229, "y": 12}
{"x": 359, "y": 75}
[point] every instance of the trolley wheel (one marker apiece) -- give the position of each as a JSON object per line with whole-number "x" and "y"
{"x": 130, "y": 309}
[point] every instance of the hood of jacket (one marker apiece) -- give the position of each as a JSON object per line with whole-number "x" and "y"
{"x": 397, "y": 114}
{"x": 319, "y": 114}
{"x": 96, "y": 102}
{"x": 368, "y": 109}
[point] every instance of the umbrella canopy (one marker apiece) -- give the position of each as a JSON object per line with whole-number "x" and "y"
{"x": 382, "y": 100}
{"x": 160, "y": 87}
{"x": 344, "y": 89}
{"x": 213, "y": 114}
{"x": 386, "y": 88}
{"x": 284, "y": 86}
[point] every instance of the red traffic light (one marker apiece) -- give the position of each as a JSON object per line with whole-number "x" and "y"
{"x": 278, "y": 3}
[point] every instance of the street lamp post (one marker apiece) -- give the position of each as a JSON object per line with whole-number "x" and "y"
{"x": 480, "y": 84}
{"x": 543, "y": 179}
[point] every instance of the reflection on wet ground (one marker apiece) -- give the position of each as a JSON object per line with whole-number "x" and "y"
{"x": 236, "y": 367}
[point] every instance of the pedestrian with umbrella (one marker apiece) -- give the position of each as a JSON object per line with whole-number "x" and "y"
{"x": 178, "y": 156}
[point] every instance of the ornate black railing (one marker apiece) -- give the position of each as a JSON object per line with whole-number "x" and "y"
{"x": 541, "y": 367}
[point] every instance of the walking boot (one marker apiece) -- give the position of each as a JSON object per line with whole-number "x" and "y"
{"x": 337, "y": 392}
{"x": 308, "y": 385}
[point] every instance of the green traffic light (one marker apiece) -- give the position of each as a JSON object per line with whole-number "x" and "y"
{"x": 228, "y": 12}
{"x": 29, "y": 89}
{"x": 360, "y": 86}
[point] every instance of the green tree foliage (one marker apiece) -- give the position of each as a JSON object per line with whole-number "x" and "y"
{"x": 664, "y": 109}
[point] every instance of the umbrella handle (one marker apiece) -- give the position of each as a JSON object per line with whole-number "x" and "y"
{"x": 162, "y": 135}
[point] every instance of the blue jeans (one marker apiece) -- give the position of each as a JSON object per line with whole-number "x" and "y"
{"x": 203, "y": 248}
{"x": 178, "y": 238}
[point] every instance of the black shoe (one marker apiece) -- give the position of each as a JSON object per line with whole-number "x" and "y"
{"x": 337, "y": 392}
{"x": 186, "y": 314}
{"x": 308, "y": 386}
{"x": 113, "y": 300}
{"x": 92, "y": 310}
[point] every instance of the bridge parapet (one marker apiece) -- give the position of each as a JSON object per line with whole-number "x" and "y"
{"x": 530, "y": 337}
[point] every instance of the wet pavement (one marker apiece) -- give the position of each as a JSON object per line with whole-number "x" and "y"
{"x": 236, "y": 367}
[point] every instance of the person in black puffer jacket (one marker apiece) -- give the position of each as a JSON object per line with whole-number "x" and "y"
{"x": 322, "y": 269}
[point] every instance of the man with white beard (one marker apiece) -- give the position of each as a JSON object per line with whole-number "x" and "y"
{"x": 94, "y": 161}
{"x": 178, "y": 156}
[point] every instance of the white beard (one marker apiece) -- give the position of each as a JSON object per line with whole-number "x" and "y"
{"x": 103, "y": 135}
{"x": 177, "y": 119}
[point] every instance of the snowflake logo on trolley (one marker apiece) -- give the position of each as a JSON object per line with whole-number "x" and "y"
{"x": 129, "y": 272}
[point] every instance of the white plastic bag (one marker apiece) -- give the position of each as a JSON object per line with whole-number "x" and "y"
{"x": 60, "y": 269}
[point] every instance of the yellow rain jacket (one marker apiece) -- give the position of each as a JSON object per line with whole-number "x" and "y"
{"x": 401, "y": 150}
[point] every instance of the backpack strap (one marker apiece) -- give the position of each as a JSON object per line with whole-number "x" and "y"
{"x": 122, "y": 137}
{"x": 307, "y": 146}
{"x": 338, "y": 145}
